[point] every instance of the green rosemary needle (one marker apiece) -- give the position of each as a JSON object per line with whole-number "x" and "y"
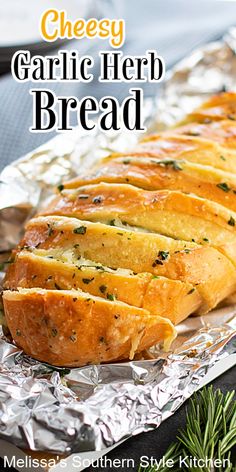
{"x": 210, "y": 432}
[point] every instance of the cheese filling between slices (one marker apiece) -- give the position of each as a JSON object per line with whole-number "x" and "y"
{"x": 69, "y": 256}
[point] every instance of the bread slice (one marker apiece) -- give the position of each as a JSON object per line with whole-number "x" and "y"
{"x": 168, "y": 298}
{"x": 73, "y": 328}
{"x": 189, "y": 148}
{"x": 222, "y": 132}
{"x": 155, "y": 174}
{"x": 218, "y": 107}
{"x": 171, "y": 213}
{"x": 202, "y": 266}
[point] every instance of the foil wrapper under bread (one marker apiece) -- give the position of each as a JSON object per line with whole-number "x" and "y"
{"x": 65, "y": 411}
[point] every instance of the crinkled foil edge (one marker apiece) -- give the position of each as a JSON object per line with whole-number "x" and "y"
{"x": 66, "y": 411}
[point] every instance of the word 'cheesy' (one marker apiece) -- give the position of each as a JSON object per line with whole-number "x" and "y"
{"x": 55, "y": 25}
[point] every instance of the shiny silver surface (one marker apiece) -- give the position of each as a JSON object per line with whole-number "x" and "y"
{"x": 91, "y": 408}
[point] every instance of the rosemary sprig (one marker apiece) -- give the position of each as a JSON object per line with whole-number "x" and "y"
{"x": 207, "y": 440}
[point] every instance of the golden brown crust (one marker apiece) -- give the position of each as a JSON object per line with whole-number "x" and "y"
{"x": 171, "y": 213}
{"x": 153, "y": 174}
{"x": 168, "y": 298}
{"x": 218, "y": 107}
{"x": 201, "y": 266}
{"x": 190, "y": 148}
{"x": 222, "y": 132}
{"x": 93, "y": 331}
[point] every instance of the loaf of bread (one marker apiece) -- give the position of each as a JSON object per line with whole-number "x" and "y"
{"x": 131, "y": 248}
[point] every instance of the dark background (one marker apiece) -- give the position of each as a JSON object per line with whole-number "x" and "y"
{"x": 173, "y": 28}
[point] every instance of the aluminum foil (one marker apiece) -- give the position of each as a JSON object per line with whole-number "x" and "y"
{"x": 66, "y": 411}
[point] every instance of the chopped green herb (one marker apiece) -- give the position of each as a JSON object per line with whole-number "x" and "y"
{"x": 191, "y": 291}
{"x": 60, "y": 187}
{"x": 111, "y": 297}
{"x": 73, "y": 338}
{"x": 100, "y": 268}
{"x": 223, "y": 158}
{"x": 231, "y": 221}
{"x": 206, "y": 240}
{"x": 102, "y": 288}
{"x": 170, "y": 162}
{"x": 193, "y": 133}
{"x": 97, "y": 200}
{"x": 155, "y": 277}
{"x": 50, "y": 230}
{"x": 54, "y": 332}
{"x": 223, "y": 186}
{"x": 112, "y": 223}
{"x": 57, "y": 286}
{"x": 163, "y": 255}
{"x": 80, "y": 230}
{"x": 87, "y": 281}
{"x": 126, "y": 161}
